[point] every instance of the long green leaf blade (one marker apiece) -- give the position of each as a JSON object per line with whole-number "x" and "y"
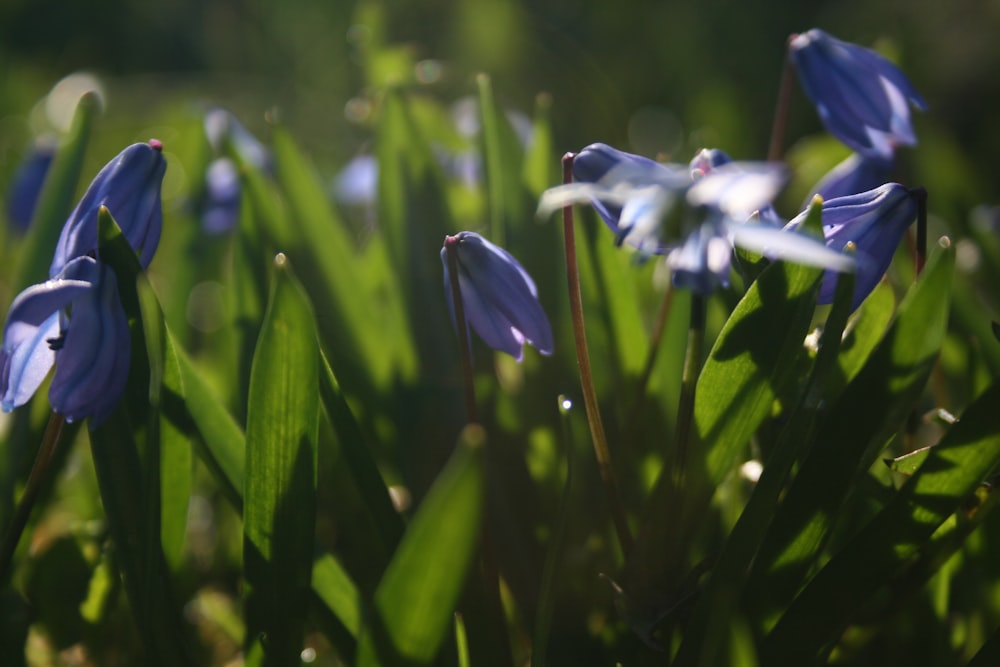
{"x": 279, "y": 510}
{"x": 870, "y": 410}
{"x": 965, "y": 457}
{"x": 415, "y": 601}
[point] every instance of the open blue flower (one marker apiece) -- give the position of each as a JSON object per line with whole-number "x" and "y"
{"x": 861, "y": 97}
{"x": 76, "y": 322}
{"x": 694, "y": 214}
{"x": 874, "y": 221}
{"x": 499, "y": 297}
{"x": 129, "y": 186}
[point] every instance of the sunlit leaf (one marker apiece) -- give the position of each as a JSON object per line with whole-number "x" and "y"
{"x": 279, "y": 510}
{"x": 415, "y": 601}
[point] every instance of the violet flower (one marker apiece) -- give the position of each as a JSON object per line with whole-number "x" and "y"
{"x": 862, "y": 98}
{"x": 875, "y": 222}
{"x": 75, "y": 321}
{"x": 693, "y": 214}
{"x": 857, "y": 173}
{"x": 129, "y": 186}
{"x": 499, "y": 298}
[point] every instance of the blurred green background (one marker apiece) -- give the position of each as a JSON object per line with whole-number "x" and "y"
{"x": 657, "y": 76}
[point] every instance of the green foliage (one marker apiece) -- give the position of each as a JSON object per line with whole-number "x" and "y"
{"x": 284, "y": 486}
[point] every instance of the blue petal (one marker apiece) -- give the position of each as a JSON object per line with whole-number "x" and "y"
{"x": 129, "y": 186}
{"x": 32, "y": 321}
{"x": 92, "y": 366}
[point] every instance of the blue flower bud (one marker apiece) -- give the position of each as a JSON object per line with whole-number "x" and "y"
{"x": 861, "y": 97}
{"x": 499, "y": 297}
{"x": 129, "y": 186}
{"x": 26, "y": 186}
{"x": 76, "y": 322}
{"x": 875, "y": 222}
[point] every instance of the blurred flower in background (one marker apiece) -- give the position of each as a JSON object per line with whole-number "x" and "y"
{"x": 26, "y": 185}
{"x": 862, "y": 98}
{"x": 220, "y": 205}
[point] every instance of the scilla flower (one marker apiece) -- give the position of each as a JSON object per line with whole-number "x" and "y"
{"x": 693, "y": 214}
{"x": 76, "y": 322}
{"x": 875, "y": 222}
{"x": 861, "y": 97}
{"x": 499, "y": 297}
{"x": 857, "y": 173}
{"x": 129, "y": 186}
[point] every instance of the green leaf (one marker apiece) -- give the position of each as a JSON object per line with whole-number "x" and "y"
{"x": 503, "y": 157}
{"x": 415, "y": 217}
{"x": 540, "y": 170}
{"x": 716, "y": 607}
{"x": 966, "y": 456}
{"x": 364, "y": 471}
{"x": 752, "y": 361}
{"x": 55, "y": 201}
{"x": 174, "y": 481}
{"x": 326, "y": 258}
{"x": 279, "y": 510}
{"x": 129, "y": 484}
{"x": 416, "y": 598}
{"x": 848, "y": 439}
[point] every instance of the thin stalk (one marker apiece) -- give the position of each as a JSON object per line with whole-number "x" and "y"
{"x": 597, "y": 434}
{"x": 546, "y": 598}
{"x": 487, "y": 560}
{"x": 654, "y": 348}
{"x": 921, "y": 259}
{"x": 463, "y": 331}
{"x": 784, "y": 103}
{"x": 38, "y": 475}
{"x": 689, "y": 378}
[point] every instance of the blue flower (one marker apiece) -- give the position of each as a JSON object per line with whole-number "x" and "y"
{"x": 129, "y": 186}
{"x": 499, "y": 297}
{"x": 858, "y": 173}
{"x": 22, "y": 195}
{"x": 861, "y": 97}
{"x": 875, "y": 222}
{"x": 76, "y": 322}
{"x": 694, "y": 214}
{"x": 631, "y": 193}
{"x": 221, "y": 207}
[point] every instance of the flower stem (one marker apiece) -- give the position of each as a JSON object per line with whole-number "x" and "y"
{"x": 784, "y": 103}
{"x": 689, "y": 378}
{"x": 921, "y": 259}
{"x": 489, "y": 569}
{"x": 601, "y": 449}
{"x": 654, "y": 348}
{"x": 38, "y": 475}
{"x": 463, "y": 332}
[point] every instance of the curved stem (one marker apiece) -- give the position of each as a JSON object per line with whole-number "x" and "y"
{"x": 38, "y": 475}
{"x": 463, "y": 332}
{"x": 784, "y": 103}
{"x": 597, "y": 434}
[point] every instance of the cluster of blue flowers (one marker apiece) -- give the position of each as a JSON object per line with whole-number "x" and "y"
{"x": 75, "y": 319}
{"x": 695, "y": 214}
